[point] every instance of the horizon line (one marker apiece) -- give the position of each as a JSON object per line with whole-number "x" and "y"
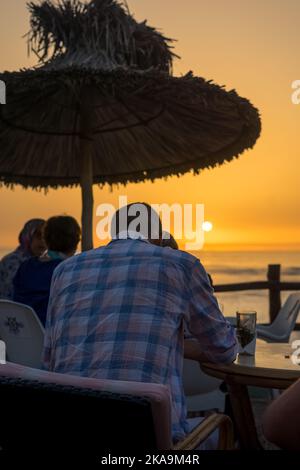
{"x": 230, "y": 246}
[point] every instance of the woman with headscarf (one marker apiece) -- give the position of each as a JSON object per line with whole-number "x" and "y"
{"x": 32, "y": 281}
{"x": 31, "y": 243}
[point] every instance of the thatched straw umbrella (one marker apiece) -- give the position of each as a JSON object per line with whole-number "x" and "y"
{"x": 103, "y": 106}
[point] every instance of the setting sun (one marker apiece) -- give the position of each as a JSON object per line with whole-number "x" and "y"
{"x": 207, "y": 226}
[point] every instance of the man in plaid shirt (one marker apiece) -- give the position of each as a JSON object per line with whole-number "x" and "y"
{"x": 117, "y": 312}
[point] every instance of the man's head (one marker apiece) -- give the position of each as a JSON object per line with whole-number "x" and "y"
{"x": 62, "y": 234}
{"x": 137, "y": 217}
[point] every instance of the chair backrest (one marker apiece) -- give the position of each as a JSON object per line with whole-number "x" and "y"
{"x": 22, "y": 332}
{"x": 87, "y": 415}
{"x": 196, "y": 382}
{"x": 285, "y": 321}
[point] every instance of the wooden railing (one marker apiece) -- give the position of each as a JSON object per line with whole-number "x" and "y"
{"x": 273, "y": 284}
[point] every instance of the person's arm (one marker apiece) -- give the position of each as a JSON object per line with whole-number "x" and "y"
{"x": 47, "y": 357}
{"x": 281, "y": 420}
{"x": 216, "y": 340}
{"x": 193, "y": 350}
{"x": 2, "y": 279}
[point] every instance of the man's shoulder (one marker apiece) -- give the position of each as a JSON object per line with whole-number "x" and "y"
{"x": 86, "y": 258}
{"x": 74, "y": 262}
{"x": 178, "y": 256}
{"x": 146, "y": 249}
{"x": 28, "y": 263}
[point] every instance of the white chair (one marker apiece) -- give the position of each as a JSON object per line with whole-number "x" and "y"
{"x": 202, "y": 391}
{"x": 22, "y": 332}
{"x": 280, "y": 330}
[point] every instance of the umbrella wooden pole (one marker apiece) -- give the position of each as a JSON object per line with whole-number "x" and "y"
{"x": 86, "y": 177}
{"x": 86, "y": 183}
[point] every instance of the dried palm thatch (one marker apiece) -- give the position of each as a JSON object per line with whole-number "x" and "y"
{"x": 103, "y": 32}
{"x": 103, "y": 107}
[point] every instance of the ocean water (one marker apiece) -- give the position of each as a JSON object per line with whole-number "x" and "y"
{"x": 228, "y": 267}
{"x": 243, "y": 266}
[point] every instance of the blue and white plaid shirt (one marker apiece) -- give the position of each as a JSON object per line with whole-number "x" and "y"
{"x": 118, "y": 312}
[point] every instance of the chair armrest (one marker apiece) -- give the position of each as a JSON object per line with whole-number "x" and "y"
{"x": 265, "y": 334}
{"x": 203, "y": 431}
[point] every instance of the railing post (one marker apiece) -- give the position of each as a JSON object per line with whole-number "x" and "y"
{"x": 274, "y": 290}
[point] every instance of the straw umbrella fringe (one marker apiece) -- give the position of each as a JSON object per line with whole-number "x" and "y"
{"x": 103, "y": 107}
{"x": 173, "y": 116}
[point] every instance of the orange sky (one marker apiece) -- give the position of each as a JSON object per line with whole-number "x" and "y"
{"x": 249, "y": 45}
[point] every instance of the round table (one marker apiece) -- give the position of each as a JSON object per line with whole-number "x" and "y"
{"x": 271, "y": 367}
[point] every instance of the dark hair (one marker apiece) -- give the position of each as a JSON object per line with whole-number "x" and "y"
{"x": 62, "y": 233}
{"x": 169, "y": 241}
{"x": 127, "y": 215}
